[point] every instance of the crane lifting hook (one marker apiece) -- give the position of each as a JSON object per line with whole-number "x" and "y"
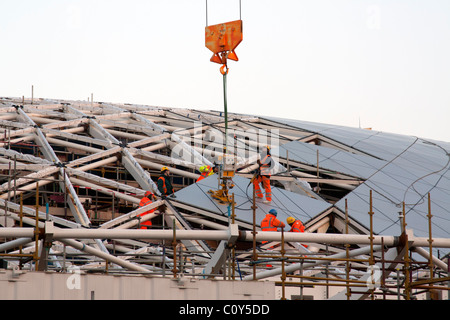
{"x": 222, "y": 39}
{"x": 224, "y": 69}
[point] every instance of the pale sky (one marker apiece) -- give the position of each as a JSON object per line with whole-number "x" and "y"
{"x": 383, "y": 64}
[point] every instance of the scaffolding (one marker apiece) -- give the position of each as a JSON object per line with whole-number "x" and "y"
{"x": 73, "y": 174}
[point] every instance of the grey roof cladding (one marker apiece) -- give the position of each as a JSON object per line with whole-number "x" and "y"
{"x": 285, "y": 202}
{"x": 396, "y": 168}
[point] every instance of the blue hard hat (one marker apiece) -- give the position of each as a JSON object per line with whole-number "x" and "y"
{"x": 273, "y": 211}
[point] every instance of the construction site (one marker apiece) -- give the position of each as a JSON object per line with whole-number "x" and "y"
{"x": 374, "y": 207}
{"x": 122, "y": 201}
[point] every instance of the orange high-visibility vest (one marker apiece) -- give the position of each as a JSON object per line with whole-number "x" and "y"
{"x": 145, "y": 201}
{"x": 271, "y": 223}
{"x": 265, "y": 166}
{"x": 164, "y": 184}
{"x": 203, "y": 175}
{"x": 297, "y": 226}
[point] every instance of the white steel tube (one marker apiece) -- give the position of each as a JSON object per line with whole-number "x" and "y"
{"x": 94, "y": 156}
{"x": 123, "y": 134}
{"x": 155, "y": 147}
{"x": 131, "y": 215}
{"x": 30, "y": 177}
{"x": 297, "y": 266}
{"x": 388, "y": 241}
{"x": 17, "y": 232}
{"x": 329, "y": 238}
{"x": 104, "y": 255}
{"x": 30, "y": 186}
{"x": 104, "y": 190}
{"x": 441, "y": 264}
{"x": 15, "y": 243}
{"x": 139, "y": 234}
{"x": 97, "y": 164}
{"x": 134, "y": 222}
{"x": 223, "y": 235}
{"x": 73, "y": 145}
{"x": 157, "y": 166}
{"x": 148, "y": 140}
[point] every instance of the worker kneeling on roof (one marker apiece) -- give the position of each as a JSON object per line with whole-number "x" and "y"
{"x": 146, "y": 200}
{"x": 296, "y": 225}
{"x": 271, "y": 223}
{"x": 164, "y": 184}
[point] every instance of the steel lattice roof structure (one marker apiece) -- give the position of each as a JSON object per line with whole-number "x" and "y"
{"x": 91, "y": 162}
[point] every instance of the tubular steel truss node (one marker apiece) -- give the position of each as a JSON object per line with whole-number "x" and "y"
{"x": 73, "y": 174}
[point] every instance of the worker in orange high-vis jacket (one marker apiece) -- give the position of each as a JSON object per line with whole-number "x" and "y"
{"x": 263, "y": 176}
{"x": 205, "y": 171}
{"x": 271, "y": 223}
{"x": 164, "y": 184}
{"x": 296, "y": 225}
{"x": 146, "y": 200}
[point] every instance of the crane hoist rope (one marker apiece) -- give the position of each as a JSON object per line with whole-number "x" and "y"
{"x": 222, "y": 39}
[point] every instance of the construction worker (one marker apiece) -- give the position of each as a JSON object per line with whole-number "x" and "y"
{"x": 271, "y": 223}
{"x": 146, "y": 200}
{"x": 212, "y": 170}
{"x": 164, "y": 184}
{"x": 263, "y": 176}
{"x": 296, "y": 225}
{"x": 205, "y": 171}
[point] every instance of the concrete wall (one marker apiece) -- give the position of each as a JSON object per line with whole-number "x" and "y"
{"x": 23, "y": 285}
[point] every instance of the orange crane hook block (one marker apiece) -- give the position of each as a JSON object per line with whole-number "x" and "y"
{"x": 222, "y": 39}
